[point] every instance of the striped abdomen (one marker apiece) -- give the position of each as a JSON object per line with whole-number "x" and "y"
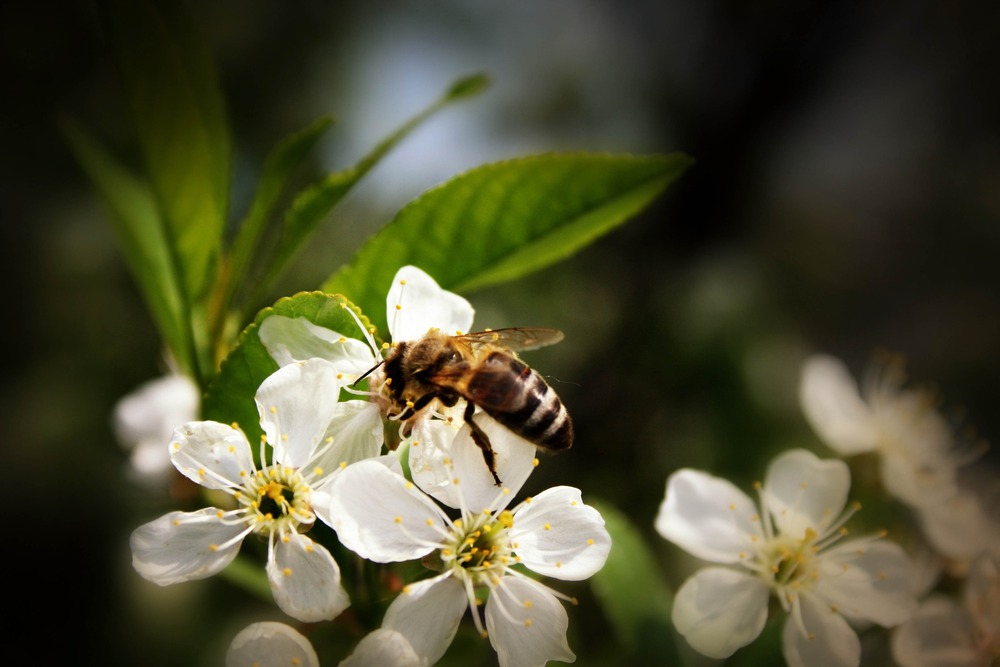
{"x": 517, "y": 397}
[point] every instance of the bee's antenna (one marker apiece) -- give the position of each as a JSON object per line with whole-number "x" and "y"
{"x": 368, "y": 372}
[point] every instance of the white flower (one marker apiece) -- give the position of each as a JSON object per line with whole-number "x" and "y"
{"x": 383, "y": 648}
{"x": 944, "y": 633}
{"x": 270, "y": 644}
{"x": 298, "y": 406}
{"x": 144, "y": 420}
{"x": 382, "y": 517}
{"x": 916, "y": 445}
{"x": 792, "y": 549}
{"x": 415, "y": 304}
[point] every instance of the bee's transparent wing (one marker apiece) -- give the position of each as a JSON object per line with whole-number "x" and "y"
{"x": 514, "y": 338}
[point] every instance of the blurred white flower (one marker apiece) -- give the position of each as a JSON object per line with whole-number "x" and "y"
{"x": 383, "y": 517}
{"x": 270, "y": 644}
{"x": 945, "y": 633}
{"x": 917, "y": 447}
{"x": 792, "y": 548}
{"x": 415, "y": 304}
{"x": 145, "y": 419}
{"x": 383, "y": 648}
{"x": 298, "y": 405}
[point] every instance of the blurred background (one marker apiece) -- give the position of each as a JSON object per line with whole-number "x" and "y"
{"x": 846, "y": 198}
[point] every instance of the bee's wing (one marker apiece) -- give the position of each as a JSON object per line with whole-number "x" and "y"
{"x": 514, "y": 338}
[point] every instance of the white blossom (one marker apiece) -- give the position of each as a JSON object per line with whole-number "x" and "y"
{"x": 385, "y": 518}
{"x": 270, "y": 644}
{"x": 144, "y": 419}
{"x": 948, "y": 633}
{"x": 415, "y": 304}
{"x": 792, "y": 547}
{"x": 297, "y": 405}
{"x": 917, "y": 447}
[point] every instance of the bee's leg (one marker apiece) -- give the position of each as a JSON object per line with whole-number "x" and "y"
{"x": 482, "y": 441}
{"x": 413, "y": 407}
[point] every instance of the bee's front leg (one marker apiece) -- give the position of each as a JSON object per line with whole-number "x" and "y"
{"x": 482, "y": 441}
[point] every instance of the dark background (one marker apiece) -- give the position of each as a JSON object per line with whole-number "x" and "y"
{"x": 846, "y": 197}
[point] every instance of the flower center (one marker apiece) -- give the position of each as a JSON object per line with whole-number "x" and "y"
{"x": 276, "y": 499}
{"x": 790, "y": 562}
{"x": 479, "y": 547}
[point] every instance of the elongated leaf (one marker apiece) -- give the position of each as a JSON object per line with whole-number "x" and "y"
{"x": 501, "y": 221}
{"x": 230, "y": 396}
{"x": 313, "y": 204}
{"x": 183, "y": 135}
{"x": 278, "y": 169}
{"x": 139, "y": 231}
{"x": 633, "y": 594}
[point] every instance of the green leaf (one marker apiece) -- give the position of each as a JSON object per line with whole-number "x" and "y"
{"x": 137, "y": 226}
{"x": 278, "y": 168}
{"x": 634, "y": 595}
{"x": 504, "y": 220}
{"x": 183, "y": 135}
{"x": 230, "y": 396}
{"x": 311, "y": 206}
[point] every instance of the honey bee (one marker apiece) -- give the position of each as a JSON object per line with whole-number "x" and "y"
{"x": 482, "y": 368}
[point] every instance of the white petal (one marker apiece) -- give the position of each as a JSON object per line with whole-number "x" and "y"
{"x": 291, "y": 339}
{"x": 920, "y": 484}
{"x": 719, "y": 610}
{"x": 558, "y": 536}
{"x": 381, "y": 516}
{"x": 214, "y": 455}
{"x": 803, "y": 492}
{"x": 526, "y": 624}
{"x": 829, "y": 641}
{"x": 867, "y": 581}
{"x": 514, "y": 458}
{"x": 430, "y": 459}
{"x": 356, "y": 429}
{"x": 707, "y": 516}
{"x": 981, "y": 596}
{"x": 832, "y": 404}
{"x": 416, "y": 303}
{"x": 179, "y": 546}
{"x": 295, "y": 404}
{"x": 270, "y": 644}
{"x": 154, "y": 410}
{"x": 320, "y": 498}
{"x": 305, "y": 580}
{"x": 427, "y": 613}
{"x": 383, "y": 648}
{"x": 940, "y": 634}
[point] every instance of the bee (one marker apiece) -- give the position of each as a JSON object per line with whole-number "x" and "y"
{"x": 483, "y": 368}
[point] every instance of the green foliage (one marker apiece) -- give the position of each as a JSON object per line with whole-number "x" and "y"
{"x": 634, "y": 595}
{"x": 504, "y": 220}
{"x": 230, "y": 396}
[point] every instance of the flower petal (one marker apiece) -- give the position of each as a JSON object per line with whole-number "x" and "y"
{"x": 270, "y": 644}
{"x": 514, "y": 459}
{"x": 305, "y": 580}
{"x": 719, "y": 610}
{"x": 707, "y": 516}
{"x": 558, "y": 536}
{"x": 867, "y": 581}
{"x": 834, "y": 407}
{"x": 416, "y": 303}
{"x": 804, "y": 492}
{"x": 356, "y": 429}
{"x": 181, "y": 546}
{"x": 383, "y": 648}
{"x": 940, "y": 634}
{"x": 427, "y": 614}
{"x": 430, "y": 458}
{"x": 214, "y": 455}
{"x": 295, "y": 405}
{"x": 291, "y": 339}
{"x": 145, "y": 419}
{"x": 828, "y": 641}
{"x": 320, "y": 498}
{"x": 381, "y": 516}
{"x": 526, "y": 624}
